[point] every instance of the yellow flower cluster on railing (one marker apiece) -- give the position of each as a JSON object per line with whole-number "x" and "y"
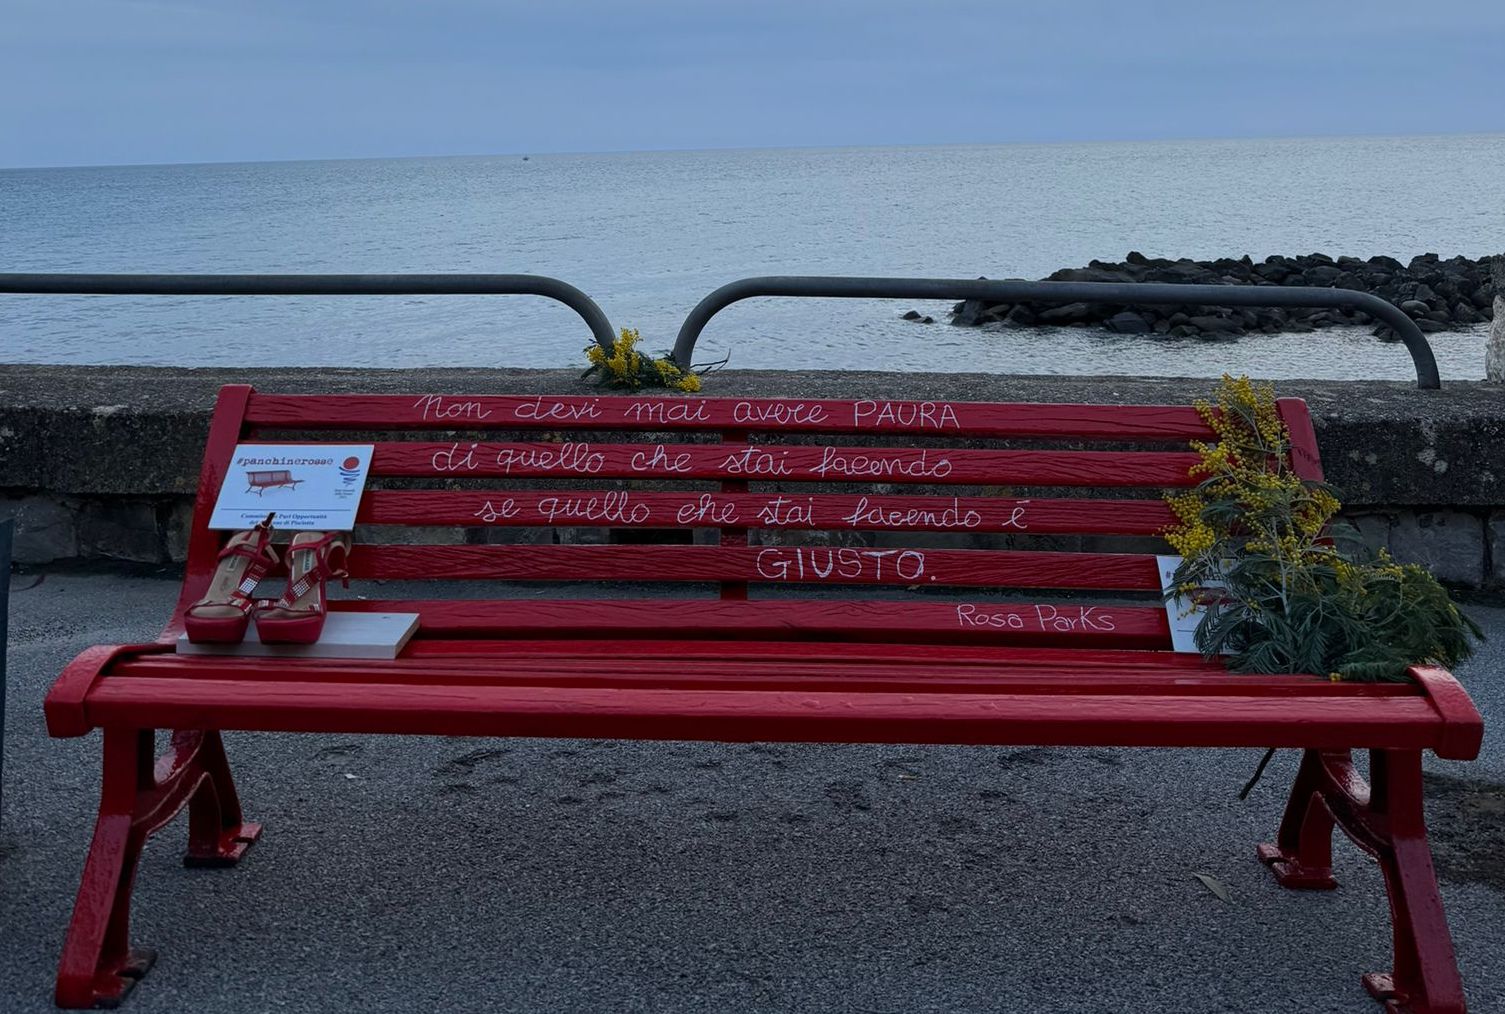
{"x": 625, "y": 366}
{"x": 1289, "y": 598}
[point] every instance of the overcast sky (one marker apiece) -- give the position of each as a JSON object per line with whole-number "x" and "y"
{"x": 127, "y": 81}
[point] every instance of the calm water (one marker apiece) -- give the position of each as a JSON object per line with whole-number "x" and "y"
{"x": 648, "y": 234}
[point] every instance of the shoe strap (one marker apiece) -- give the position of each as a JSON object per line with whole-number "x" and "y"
{"x": 321, "y": 571}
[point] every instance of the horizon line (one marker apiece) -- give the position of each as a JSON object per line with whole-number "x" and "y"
{"x": 529, "y": 153}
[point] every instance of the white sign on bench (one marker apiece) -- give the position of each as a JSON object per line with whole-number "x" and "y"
{"x": 309, "y": 487}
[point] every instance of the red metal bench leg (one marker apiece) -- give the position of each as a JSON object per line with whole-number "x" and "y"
{"x": 1302, "y": 856}
{"x": 1425, "y": 978}
{"x": 1386, "y": 821}
{"x": 99, "y": 966}
{"x": 218, "y": 834}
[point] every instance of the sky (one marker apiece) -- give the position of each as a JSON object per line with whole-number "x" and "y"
{"x": 105, "y": 82}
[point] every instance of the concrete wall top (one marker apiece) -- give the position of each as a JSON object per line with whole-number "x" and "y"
{"x": 129, "y": 431}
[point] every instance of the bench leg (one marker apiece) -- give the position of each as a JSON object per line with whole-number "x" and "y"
{"x": 1425, "y": 977}
{"x": 1386, "y": 820}
{"x": 1302, "y": 856}
{"x": 98, "y": 965}
{"x": 218, "y": 834}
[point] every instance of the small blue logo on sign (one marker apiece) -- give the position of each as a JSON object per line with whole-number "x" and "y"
{"x": 350, "y": 469}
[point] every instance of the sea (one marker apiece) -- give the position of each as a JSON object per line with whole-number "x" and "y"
{"x": 647, "y": 234}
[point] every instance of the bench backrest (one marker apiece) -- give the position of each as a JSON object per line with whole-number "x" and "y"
{"x": 779, "y": 519}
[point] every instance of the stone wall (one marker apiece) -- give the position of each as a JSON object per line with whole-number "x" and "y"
{"x": 101, "y": 463}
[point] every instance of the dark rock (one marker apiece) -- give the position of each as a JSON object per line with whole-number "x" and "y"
{"x": 970, "y": 314}
{"x": 1135, "y": 257}
{"x": 1464, "y": 313}
{"x": 1430, "y": 326}
{"x": 1424, "y": 291}
{"x": 910, "y": 315}
{"x": 1322, "y": 274}
{"x": 1071, "y": 313}
{"x": 1414, "y": 307}
{"x": 927, "y": 320}
{"x": 1091, "y": 274}
{"x": 1021, "y": 316}
{"x": 1128, "y": 323}
{"x": 1215, "y": 324}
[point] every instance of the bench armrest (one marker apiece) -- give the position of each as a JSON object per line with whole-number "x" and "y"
{"x": 64, "y": 705}
{"x": 1462, "y": 725}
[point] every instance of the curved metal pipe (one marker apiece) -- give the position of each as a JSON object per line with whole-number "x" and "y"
{"x": 318, "y": 285}
{"x": 1128, "y": 293}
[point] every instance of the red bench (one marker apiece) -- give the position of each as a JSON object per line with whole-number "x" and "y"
{"x": 912, "y": 643}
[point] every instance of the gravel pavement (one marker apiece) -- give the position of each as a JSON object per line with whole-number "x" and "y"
{"x": 411, "y": 874}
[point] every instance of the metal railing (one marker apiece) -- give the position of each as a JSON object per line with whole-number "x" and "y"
{"x": 1124, "y": 293}
{"x": 317, "y": 285}
{"x": 1119, "y": 293}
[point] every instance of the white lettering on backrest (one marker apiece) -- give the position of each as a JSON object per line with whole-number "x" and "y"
{"x": 782, "y": 512}
{"x": 780, "y": 413}
{"x": 662, "y": 411}
{"x": 538, "y": 410}
{"x": 841, "y": 461}
{"x": 706, "y": 509}
{"x": 971, "y": 616}
{"x": 570, "y": 457}
{"x": 866, "y": 513}
{"x": 1081, "y": 618}
{"x": 925, "y": 415}
{"x": 751, "y": 461}
{"x": 614, "y": 506}
{"x": 802, "y": 563}
{"x": 433, "y": 406}
{"x": 491, "y": 514}
{"x": 452, "y": 460}
{"x": 660, "y": 460}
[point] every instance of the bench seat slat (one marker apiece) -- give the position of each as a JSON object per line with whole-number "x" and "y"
{"x": 703, "y": 674}
{"x": 836, "y": 620}
{"x": 556, "y": 412}
{"x": 836, "y": 653}
{"x": 780, "y": 716}
{"x": 635, "y": 509}
{"x": 819, "y": 565}
{"x": 783, "y": 462}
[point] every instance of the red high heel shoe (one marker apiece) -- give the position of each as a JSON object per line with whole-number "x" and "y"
{"x": 298, "y": 616}
{"x": 222, "y": 615}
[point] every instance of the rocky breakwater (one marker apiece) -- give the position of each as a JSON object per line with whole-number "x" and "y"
{"x": 1438, "y": 294}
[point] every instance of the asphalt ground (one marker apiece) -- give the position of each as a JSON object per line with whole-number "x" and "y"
{"x": 411, "y": 874}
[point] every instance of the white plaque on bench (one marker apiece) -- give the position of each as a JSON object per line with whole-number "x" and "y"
{"x": 309, "y": 487}
{"x": 345, "y": 635}
{"x": 1183, "y": 613}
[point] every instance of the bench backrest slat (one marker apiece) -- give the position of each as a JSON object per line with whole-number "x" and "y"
{"x": 638, "y": 509}
{"x": 827, "y": 565}
{"x": 553, "y": 412}
{"x": 1090, "y": 625}
{"x": 792, "y": 463}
